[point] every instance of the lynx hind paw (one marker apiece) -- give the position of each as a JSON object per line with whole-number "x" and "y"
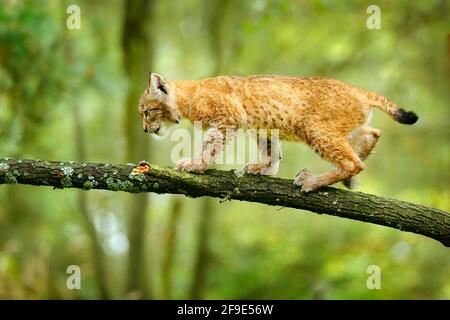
{"x": 305, "y": 180}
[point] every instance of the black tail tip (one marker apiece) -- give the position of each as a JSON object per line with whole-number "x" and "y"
{"x": 406, "y": 117}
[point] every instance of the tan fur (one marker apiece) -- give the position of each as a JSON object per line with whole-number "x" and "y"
{"x": 328, "y": 115}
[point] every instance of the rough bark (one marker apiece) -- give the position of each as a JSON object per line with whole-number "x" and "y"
{"x": 231, "y": 185}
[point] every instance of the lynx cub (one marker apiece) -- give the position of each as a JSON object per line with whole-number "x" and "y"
{"x": 329, "y": 115}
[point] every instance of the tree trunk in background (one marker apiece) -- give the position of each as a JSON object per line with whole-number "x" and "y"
{"x": 18, "y": 211}
{"x": 169, "y": 246}
{"x": 201, "y": 261}
{"x": 215, "y": 16}
{"x": 137, "y": 60}
{"x": 448, "y": 53}
{"x": 97, "y": 252}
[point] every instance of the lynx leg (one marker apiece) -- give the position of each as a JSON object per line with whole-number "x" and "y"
{"x": 212, "y": 146}
{"x": 270, "y": 148}
{"x": 339, "y": 152}
{"x": 363, "y": 143}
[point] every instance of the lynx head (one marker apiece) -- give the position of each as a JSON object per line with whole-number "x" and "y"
{"x": 156, "y": 105}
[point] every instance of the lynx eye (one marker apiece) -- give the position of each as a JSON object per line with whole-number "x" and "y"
{"x": 146, "y": 113}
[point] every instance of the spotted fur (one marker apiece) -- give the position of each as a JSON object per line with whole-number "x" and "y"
{"x": 328, "y": 115}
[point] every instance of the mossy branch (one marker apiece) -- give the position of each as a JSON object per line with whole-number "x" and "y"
{"x": 231, "y": 185}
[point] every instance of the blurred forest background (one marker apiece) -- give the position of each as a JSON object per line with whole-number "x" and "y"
{"x": 72, "y": 95}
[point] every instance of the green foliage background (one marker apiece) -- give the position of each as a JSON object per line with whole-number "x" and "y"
{"x": 254, "y": 251}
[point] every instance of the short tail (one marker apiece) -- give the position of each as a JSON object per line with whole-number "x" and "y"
{"x": 397, "y": 113}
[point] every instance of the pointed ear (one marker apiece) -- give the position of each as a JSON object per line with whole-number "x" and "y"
{"x": 158, "y": 84}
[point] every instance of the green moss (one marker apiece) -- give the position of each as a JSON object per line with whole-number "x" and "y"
{"x": 89, "y": 185}
{"x": 111, "y": 184}
{"x": 66, "y": 182}
{"x": 127, "y": 186}
{"x": 139, "y": 177}
{"x": 10, "y": 178}
{"x": 80, "y": 176}
{"x": 119, "y": 185}
{"x": 239, "y": 173}
{"x": 156, "y": 185}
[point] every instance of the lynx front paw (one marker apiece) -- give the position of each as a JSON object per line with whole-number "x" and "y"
{"x": 190, "y": 165}
{"x": 259, "y": 168}
{"x": 306, "y": 181}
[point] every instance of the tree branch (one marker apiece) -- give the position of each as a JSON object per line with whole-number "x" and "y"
{"x": 231, "y": 185}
